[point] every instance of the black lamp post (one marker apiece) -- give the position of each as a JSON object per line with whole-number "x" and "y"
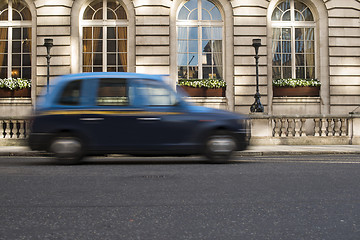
{"x": 257, "y": 106}
{"x": 48, "y": 43}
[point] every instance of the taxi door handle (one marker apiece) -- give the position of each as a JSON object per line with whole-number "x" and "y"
{"x": 92, "y": 119}
{"x": 148, "y": 119}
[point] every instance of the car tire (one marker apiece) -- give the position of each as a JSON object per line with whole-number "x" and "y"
{"x": 220, "y": 146}
{"x": 67, "y": 149}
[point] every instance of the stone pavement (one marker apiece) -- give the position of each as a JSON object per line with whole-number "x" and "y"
{"x": 251, "y": 151}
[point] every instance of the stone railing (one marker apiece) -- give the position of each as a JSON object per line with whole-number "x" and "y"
{"x": 265, "y": 129}
{"x": 304, "y": 129}
{"x": 13, "y": 131}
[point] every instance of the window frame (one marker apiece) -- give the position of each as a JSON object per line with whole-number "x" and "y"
{"x": 293, "y": 24}
{"x": 10, "y": 24}
{"x": 199, "y": 24}
{"x": 104, "y": 23}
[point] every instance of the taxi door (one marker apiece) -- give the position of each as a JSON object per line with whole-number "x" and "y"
{"x": 164, "y": 124}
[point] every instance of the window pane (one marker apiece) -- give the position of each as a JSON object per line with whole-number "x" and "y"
{"x": 98, "y": 59}
{"x": 16, "y": 33}
{"x": 182, "y": 46}
{"x": 206, "y": 32}
{"x": 276, "y": 59}
{"x": 122, "y": 59}
{"x": 182, "y": 33}
{"x": 206, "y": 59}
{"x": 284, "y": 5}
{"x": 217, "y": 33}
{"x": 308, "y": 15}
{"x": 300, "y": 60}
{"x": 276, "y": 16}
{"x": 16, "y": 60}
{"x": 182, "y": 72}
{"x": 97, "y": 46}
{"x": 182, "y": 59}
{"x": 192, "y": 4}
{"x": 87, "y": 59}
{"x": 98, "y": 33}
{"x": 193, "y": 33}
{"x": 112, "y": 92}
{"x": 87, "y": 46}
{"x": 193, "y": 60}
{"x": 287, "y": 72}
{"x": 16, "y": 72}
{"x": 299, "y": 46}
{"x": 71, "y": 94}
{"x": 300, "y": 72}
{"x": 110, "y": 14}
{"x": 206, "y": 46}
{"x": 309, "y": 33}
{"x": 299, "y": 34}
{"x": 298, "y": 16}
{"x": 111, "y": 33}
{"x": 3, "y": 34}
{"x": 193, "y": 72}
{"x": 16, "y": 47}
{"x": 26, "y": 73}
{"x": 286, "y": 47}
{"x": 193, "y": 46}
{"x": 276, "y": 73}
{"x": 310, "y": 60}
{"x": 309, "y": 47}
{"x": 26, "y": 60}
{"x": 87, "y": 33}
{"x": 205, "y": 15}
{"x": 217, "y": 72}
{"x": 16, "y": 16}
{"x": 217, "y": 59}
{"x": 286, "y": 59}
{"x": 183, "y": 14}
{"x": 310, "y": 72}
{"x": 111, "y": 59}
{"x": 286, "y": 16}
{"x": 27, "y": 46}
{"x": 207, "y": 72}
{"x": 111, "y": 45}
{"x": 286, "y": 33}
{"x": 193, "y": 15}
{"x": 215, "y": 14}
{"x": 3, "y": 60}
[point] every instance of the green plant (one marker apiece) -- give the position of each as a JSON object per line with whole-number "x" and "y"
{"x": 206, "y": 83}
{"x": 15, "y": 83}
{"x": 291, "y": 82}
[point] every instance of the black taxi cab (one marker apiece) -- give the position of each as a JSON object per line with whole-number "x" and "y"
{"x": 128, "y": 113}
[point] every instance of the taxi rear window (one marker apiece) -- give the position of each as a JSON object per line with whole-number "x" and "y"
{"x": 112, "y": 92}
{"x": 71, "y": 94}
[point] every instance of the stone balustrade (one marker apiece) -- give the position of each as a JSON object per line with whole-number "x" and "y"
{"x": 265, "y": 129}
{"x": 304, "y": 129}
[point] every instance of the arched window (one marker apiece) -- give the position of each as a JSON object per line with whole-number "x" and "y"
{"x": 199, "y": 40}
{"x": 15, "y": 40}
{"x": 293, "y": 41}
{"x": 104, "y": 37}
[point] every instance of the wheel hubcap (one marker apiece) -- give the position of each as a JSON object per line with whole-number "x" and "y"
{"x": 221, "y": 144}
{"x": 66, "y": 147}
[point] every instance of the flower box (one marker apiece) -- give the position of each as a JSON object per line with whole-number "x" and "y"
{"x": 203, "y": 91}
{"x": 7, "y": 93}
{"x": 296, "y": 91}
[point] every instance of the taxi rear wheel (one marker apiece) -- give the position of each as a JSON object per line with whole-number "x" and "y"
{"x": 220, "y": 146}
{"x": 67, "y": 149}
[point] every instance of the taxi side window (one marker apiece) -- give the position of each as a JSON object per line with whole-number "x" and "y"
{"x": 157, "y": 95}
{"x": 71, "y": 94}
{"x": 112, "y": 92}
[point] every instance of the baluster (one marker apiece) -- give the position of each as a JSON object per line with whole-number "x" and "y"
{"x": 330, "y": 127}
{"x": 302, "y": 127}
{"x": 17, "y": 129}
{"x": 290, "y": 127}
{"x": 323, "y": 127}
{"x": 277, "y": 127}
{"x": 297, "y": 127}
{"x": 2, "y": 129}
{"x": 21, "y": 129}
{"x": 26, "y": 128}
{"x": 317, "y": 127}
{"x": 336, "y": 127}
{"x": 7, "y": 128}
{"x": 283, "y": 127}
{"x": 343, "y": 126}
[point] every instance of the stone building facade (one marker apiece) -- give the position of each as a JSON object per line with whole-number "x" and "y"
{"x": 190, "y": 39}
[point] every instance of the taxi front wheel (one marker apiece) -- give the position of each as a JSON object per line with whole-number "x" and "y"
{"x": 220, "y": 146}
{"x": 67, "y": 149}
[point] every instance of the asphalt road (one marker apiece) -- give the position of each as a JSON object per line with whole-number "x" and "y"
{"x": 286, "y": 197}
